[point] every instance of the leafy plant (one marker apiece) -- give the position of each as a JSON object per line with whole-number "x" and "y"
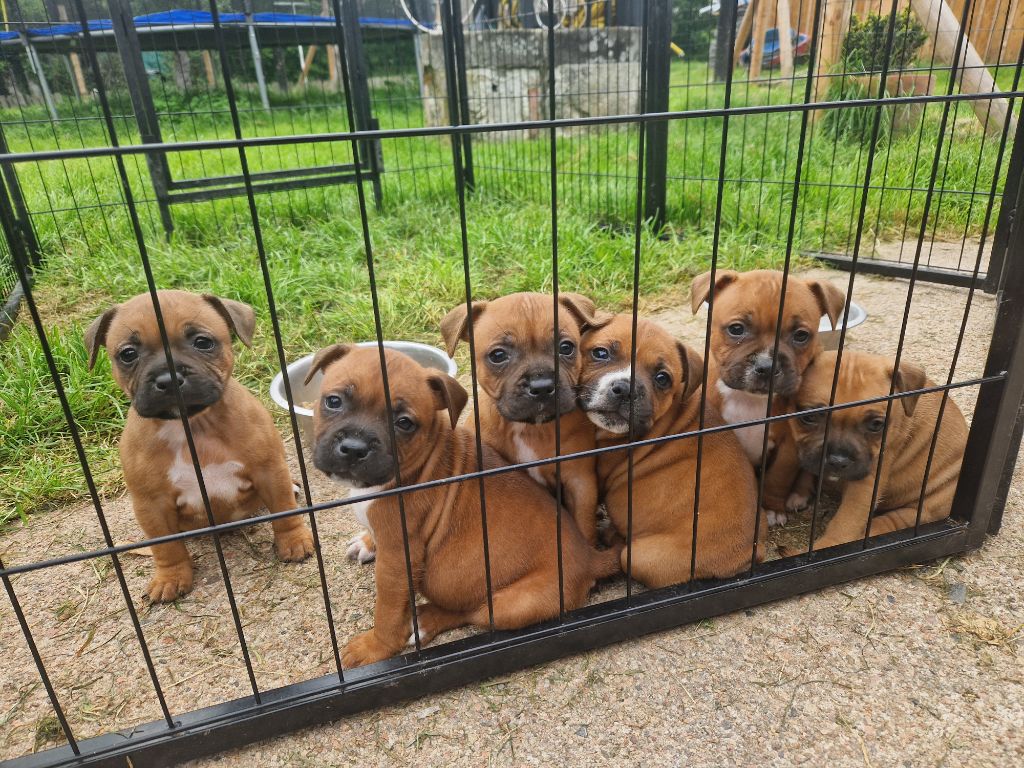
{"x": 864, "y": 45}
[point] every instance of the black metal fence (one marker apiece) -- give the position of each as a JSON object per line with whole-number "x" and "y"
{"x": 666, "y": 151}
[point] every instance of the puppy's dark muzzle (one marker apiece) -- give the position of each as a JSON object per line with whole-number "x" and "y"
{"x": 842, "y": 462}
{"x": 617, "y": 410}
{"x": 353, "y": 456}
{"x": 157, "y": 398}
{"x": 537, "y": 398}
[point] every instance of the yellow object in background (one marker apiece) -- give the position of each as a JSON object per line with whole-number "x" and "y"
{"x": 676, "y": 50}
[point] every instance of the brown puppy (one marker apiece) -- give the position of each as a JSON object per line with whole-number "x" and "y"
{"x": 742, "y": 341}
{"x": 666, "y": 402}
{"x": 851, "y": 456}
{"x": 352, "y": 445}
{"x": 240, "y": 451}
{"x": 519, "y": 397}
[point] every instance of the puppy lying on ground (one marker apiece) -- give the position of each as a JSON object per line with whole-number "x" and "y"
{"x": 746, "y": 312}
{"x": 519, "y": 396}
{"x": 666, "y": 402}
{"x": 352, "y": 445}
{"x": 240, "y": 451}
{"x": 851, "y": 455}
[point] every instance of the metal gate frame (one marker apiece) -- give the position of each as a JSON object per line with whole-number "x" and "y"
{"x": 977, "y": 509}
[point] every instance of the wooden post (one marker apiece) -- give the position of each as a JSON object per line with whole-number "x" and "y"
{"x": 782, "y": 25}
{"x": 835, "y": 21}
{"x": 973, "y": 73}
{"x": 76, "y": 61}
{"x": 744, "y": 31}
{"x": 211, "y": 78}
{"x": 757, "y": 43}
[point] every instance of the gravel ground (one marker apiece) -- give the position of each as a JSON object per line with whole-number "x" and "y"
{"x": 917, "y": 667}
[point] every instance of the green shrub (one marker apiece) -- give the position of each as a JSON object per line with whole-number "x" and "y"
{"x": 864, "y": 44}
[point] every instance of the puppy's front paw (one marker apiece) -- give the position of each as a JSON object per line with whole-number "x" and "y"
{"x": 362, "y": 548}
{"x": 365, "y": 648}
{"x": 168, "y": 584}
{"x": 295, "y": 545}
{"x": 785, "y": 551}
{"x": 797, "y": 501}
{"x": 775, "y": 518}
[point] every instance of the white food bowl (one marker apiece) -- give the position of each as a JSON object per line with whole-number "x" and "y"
{"x": 829, "y": 336}
{"x": 424, "y": 354}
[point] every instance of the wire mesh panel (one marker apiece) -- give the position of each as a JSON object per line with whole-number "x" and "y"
{"x": 573, "y": 365}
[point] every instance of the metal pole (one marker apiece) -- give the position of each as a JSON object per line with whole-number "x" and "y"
{"x": 727, "y": 12}
{"x": 257, "y": 59}
{"x": 37, "y": 67}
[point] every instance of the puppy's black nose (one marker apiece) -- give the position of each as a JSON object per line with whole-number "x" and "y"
{"x": 542, "y": 386}
{"x": 839, "y": 460}
{"x": 162, "y": 381}
{"x": 620, "y": 388}
{"x": 762, "y": 366}
{"x": 354, "y": 448}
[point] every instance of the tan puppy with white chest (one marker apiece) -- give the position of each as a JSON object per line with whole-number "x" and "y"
{"x": 240, "y": 451}
{"x": 851, "y": 456}
{"x": 445, "y": 529}
{"x": 666, "y": 401}
{"x": 519, "y": 396}
{"x": 746, "y": 312}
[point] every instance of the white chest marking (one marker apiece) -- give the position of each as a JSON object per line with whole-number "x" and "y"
{"x": 223, "y": 480}
{"x": 524, "y": 453}
{"x": 361, "y": 508}
{"x": 738, "y": 406}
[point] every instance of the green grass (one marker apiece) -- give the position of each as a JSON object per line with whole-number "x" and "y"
{"x": 314, "y": 245}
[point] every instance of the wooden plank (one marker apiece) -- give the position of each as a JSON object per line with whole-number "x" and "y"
{"x": 761, "y": 22}
{"x": 974, "y": 76}
{"x": 306, "y": 64}
{"x": 783, "y": 23}
{"x": 211, "y": 78}
{"x": 744, "y": 31}
{"x": 835, "y": 21}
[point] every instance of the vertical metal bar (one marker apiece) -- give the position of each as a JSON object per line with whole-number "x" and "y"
{"x": 658, "y": 33}
{"x": 140, "y": 241}
{"x": 452, "y": 11}
{"x": 1008, "y": 212}
{"x": 716, "y": 240}
{"x": 261, "y": 252}
{"x": 358, "y": 89}
{"x": 20, "y": 215}
{"x": 130, "y": 50}
{"x": 553, "y": 160}
{"x": 638, "y": 206}
{"x": 460, "y": 70}
{"x": 40, "y": 667}
{"x": 378, "y": 329}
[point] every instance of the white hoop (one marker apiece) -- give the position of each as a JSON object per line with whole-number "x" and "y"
{"x": 433, "y": 30}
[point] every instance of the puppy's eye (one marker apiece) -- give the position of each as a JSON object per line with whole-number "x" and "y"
{"x": 876, "y": 424}
{"x": 801, "y": 336}
{"x": 405, "y": 424}
{"x": 497, "y": 356}
{"x": 663, "y": 379}
{"x": 203, "y": 343}
{"x": 600, "y": 353}
{"x": 566, "y": 348}
{"x": 736, "y": 330}
{"x": 332, "y": 403}
{"x": 811, "y": 419}
{"x": 128, "y": 355}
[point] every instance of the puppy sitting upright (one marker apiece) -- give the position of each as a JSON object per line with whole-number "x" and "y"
{"x": 445, "y": 530}
{"x": 519, "y": 396}
{"x": 855, "y": 434}
{"x": 240, "y": 451}
{"x": 666, "y": 401}
{"x": 746, "y": 312}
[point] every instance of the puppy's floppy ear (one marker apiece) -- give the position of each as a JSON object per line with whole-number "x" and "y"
{"x": 241, "y": 318}
{"x": 700, "y": 288}
{"x": 830, "y": 299}
{"x": 455, "y": 325}
{"x": 599, "y": 320}
{"x": 449, "y": 394}
{"x": 907, "y": 378}
{"x": 96, "y": 334}
{"x": 579, "y": 306}
{"x": 693, "y": 369}
{"x": 325, "y": 357}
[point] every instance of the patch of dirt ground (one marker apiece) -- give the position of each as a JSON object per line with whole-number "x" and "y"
{"x": 919, "y": 667}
